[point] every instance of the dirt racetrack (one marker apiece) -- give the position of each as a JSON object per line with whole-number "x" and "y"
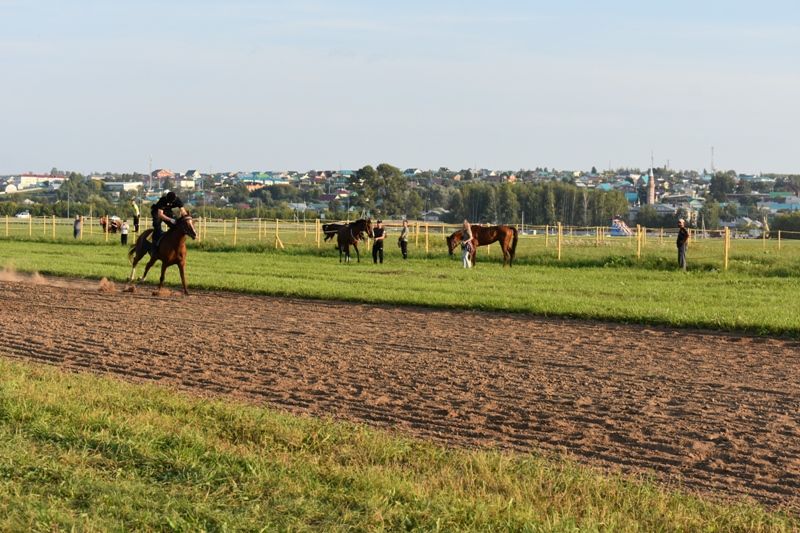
{"x": 718, "y": 413}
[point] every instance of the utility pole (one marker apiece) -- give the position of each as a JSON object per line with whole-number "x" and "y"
{"x": 203, "y": 188}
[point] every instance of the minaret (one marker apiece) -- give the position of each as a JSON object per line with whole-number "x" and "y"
{"x": 651, "y": 184}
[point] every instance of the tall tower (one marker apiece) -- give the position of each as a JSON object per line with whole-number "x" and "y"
{"x": 712, "y": 160}
{"x": 651, "y": 184}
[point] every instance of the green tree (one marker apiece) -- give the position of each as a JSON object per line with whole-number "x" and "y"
{"x": 413, "y": 205}
{"x": 743, "y": 187}
{"x": 788, "y": 223}
{"x": 648, "y": 217}
{"x": 479, "y": 202}
{"x": 391, "y": 190}
{"x": 455, "y": 207}
{"x": 711, "y": 214}
{"x": 364, "y": 183}
{"x": 722, "y": 184}
{"x": 730, "y": 211}
{"x": 381, "y": 190}
{"x": 549, "y": 205}
{"x": 238, "y": 193}
{"x": 507, "y": 205}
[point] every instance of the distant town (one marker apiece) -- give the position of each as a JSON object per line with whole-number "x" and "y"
{"x": 651, "y": 197}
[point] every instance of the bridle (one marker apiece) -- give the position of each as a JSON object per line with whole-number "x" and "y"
{"x": 453, "y": 240}
{"x": 186, "y": 224}
{"x": 353, "y": 236}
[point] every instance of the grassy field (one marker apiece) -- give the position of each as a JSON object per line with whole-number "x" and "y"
{"x": 95, "y": 454}
{"x": 88, "y": 453}
{"x": 759, "y": 294}
{"x": 578, "y": 244}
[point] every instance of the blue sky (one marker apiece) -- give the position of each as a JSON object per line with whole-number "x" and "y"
{"x": 243, "y": 85}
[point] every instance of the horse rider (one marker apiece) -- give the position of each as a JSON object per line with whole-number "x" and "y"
{"x": 162, "y": 212}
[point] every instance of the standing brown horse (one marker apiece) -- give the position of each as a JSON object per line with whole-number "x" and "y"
{"x": 114, "y": 224}
{"x": 506, "y": 235}
{"x": 349, "y": 235}
{"x": 171, "y": 250}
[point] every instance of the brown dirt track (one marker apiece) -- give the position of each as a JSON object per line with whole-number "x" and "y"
{"x": 718, "y": 413}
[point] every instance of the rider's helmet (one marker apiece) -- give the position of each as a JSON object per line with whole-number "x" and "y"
{"x": 171, "y": 196}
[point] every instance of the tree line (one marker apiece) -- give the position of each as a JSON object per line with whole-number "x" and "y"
{"x": 384, "y": 192}
{"x": 538, "y": 204}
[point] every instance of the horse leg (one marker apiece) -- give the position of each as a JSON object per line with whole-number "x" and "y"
{"x": 161, "y": 280}
{"x": 147, "y": 267}
{"x": 507, "y": 249}
{"x": 133, "y": 269}
{"x": 182, "y": 268}
{"x": 358, "y": 256}
{"x": 137, "y": 256}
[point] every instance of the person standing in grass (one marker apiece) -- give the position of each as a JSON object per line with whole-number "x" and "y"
{"x": 683, "y": 239}
{"x": 77, "y": 227}
{"x": 402, "y": 240}
{"x": 135, "y": 215}
{"x": 466, "y": 244}
{"x": 123, "y": 230}
{"x": 379, "y": 232}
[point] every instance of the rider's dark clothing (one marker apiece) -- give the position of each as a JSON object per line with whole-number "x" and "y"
{"x": 166, "y": 206}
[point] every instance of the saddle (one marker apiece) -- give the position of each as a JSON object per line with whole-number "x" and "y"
{"x": 155, "y": 243}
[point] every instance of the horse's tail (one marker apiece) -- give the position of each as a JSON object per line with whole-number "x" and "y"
{"x": 513, "y": 245}
{"x": 139, "y": 242}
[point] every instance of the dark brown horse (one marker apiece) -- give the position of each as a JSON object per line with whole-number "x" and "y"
{"x": 331, "y": 230}
{"x": 506, "y": 235}
{"x": 171, "y": 250}
{"x": 349, "y": 235}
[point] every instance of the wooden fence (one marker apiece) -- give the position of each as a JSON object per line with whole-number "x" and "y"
{"x": 428, "y": 239}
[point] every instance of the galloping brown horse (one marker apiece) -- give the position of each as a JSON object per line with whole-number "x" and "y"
{"x": 171, "y": 250}
{"x": 349, "y": 235}
{"x": 506, "y": 235}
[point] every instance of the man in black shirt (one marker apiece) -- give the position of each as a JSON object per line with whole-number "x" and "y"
{"x": 162, "y": 212}
{"x": 379, "y": 232}
{"x": 683, "y": 238}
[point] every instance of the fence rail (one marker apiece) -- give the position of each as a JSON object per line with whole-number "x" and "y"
{"x": 557, "y": 241}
